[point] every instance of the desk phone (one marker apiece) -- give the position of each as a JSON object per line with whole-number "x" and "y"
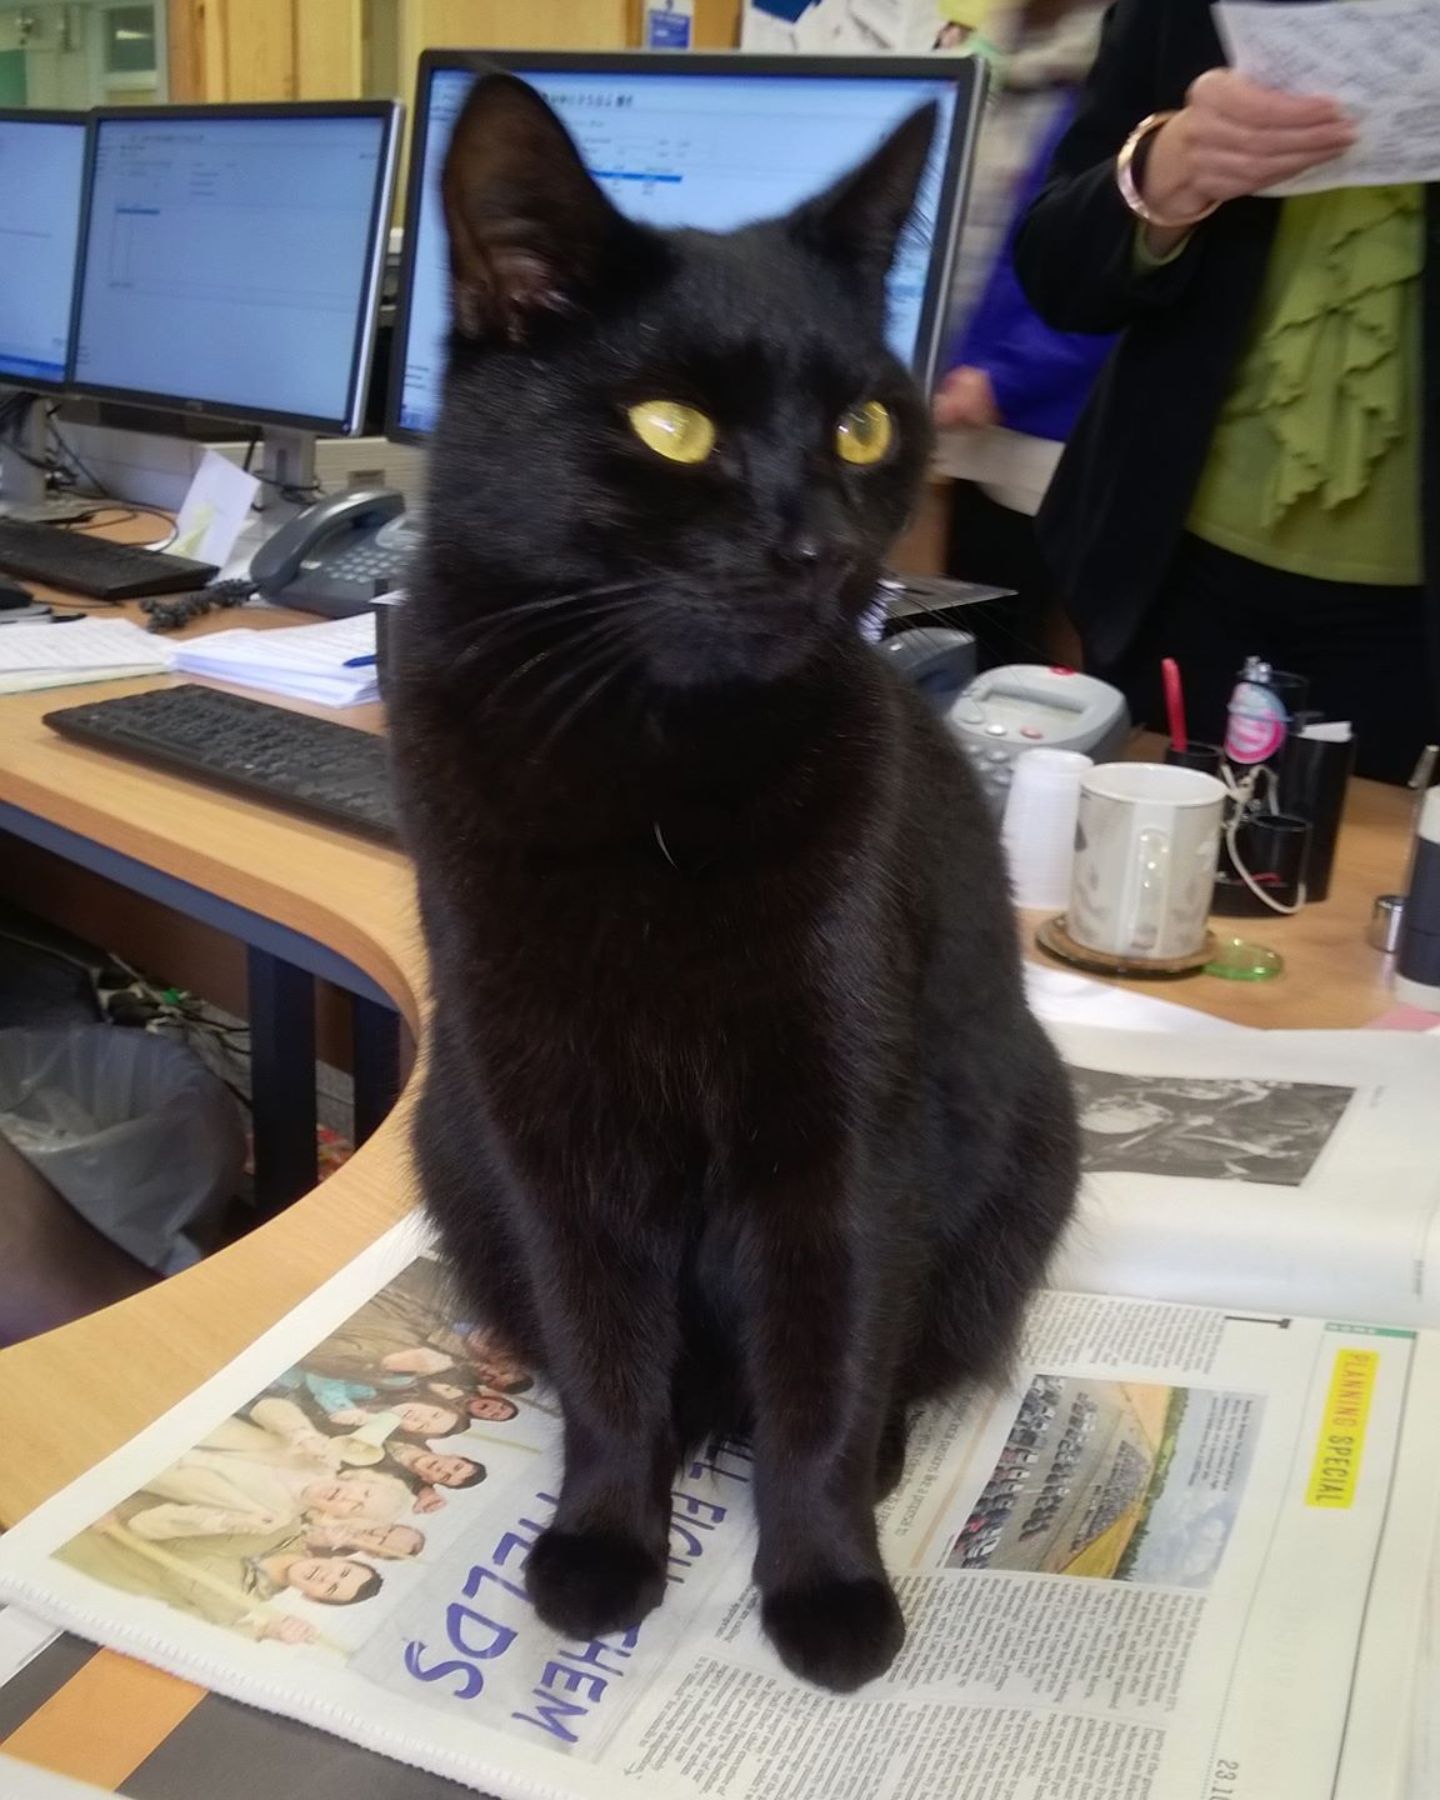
{"x": 1027, "y": 706}
{"x": 336, "y": 556}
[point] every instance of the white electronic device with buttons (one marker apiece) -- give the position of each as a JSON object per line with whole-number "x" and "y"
{"x": 1027, "y": 706}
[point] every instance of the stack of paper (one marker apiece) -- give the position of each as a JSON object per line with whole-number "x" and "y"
{"x": 333, "y": 663}
{"x": 46, "y": 656}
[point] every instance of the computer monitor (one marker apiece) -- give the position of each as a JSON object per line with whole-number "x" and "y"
{"x": 231, "y": 259}
{"x": 42, "y": 179}
{"x": 707, "y": 141}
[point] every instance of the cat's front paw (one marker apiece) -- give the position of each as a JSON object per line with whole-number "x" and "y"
{"x": 588, "y": 1585}
{"x": 839, "y": 1634}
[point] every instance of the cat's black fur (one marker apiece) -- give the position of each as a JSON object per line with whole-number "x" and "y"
{"x": 734, "y": 1119}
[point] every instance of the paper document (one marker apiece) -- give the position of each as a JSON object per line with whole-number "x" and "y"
{"x": 333, "y": 663}
{"x": 1379, "y": 58}
{"x": 1061, "y": 997}
{"x": 216, "y": 510}
{"x": 21, "y": 1640}
{"x": 1179, "y": 1555}
{"x": 24, "y": 1781}
{"x": 1284, "y": 1171}
{"x": 1001, "y": 461}
{"x": 43, "y": 656}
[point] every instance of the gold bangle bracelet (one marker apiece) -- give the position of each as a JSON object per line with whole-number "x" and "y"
{"x": 1129, "y": 188}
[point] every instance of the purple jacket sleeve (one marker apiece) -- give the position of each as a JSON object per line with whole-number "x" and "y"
{"x": 1041, "y": 377}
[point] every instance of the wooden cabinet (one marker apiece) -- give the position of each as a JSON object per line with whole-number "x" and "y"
{"x": 511, "y": 24}
{"x": 336, "y": 49}
{"x": 717, "y": 23}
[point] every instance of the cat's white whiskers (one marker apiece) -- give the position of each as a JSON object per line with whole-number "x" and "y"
{"x": 591, "y": 618}
{"x": 480, "y": 633}
{"x": 609, "y": 650}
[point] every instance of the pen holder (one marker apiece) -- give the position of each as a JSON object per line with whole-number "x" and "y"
{"x": 1314, "y": 777}
{"x": 1204, "y": 757}
{"x": 1273, "y": 848}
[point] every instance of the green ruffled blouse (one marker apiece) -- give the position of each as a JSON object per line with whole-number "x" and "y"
{"x": 1315, "y": 463}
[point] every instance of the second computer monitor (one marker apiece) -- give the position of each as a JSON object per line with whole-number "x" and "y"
{"x": 707, "y": 141}
{"x": 232, "y": 259}
{"x": 42, "y": 178}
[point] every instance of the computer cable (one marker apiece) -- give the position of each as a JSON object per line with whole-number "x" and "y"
{"x": 168, "y": 612}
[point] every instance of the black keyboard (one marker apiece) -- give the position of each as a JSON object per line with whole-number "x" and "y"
{"x": 332, "y": 772}
{"x": 86, "y": 564}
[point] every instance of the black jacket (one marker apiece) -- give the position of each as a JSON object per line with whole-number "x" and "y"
{"x": 1122, "y": 493}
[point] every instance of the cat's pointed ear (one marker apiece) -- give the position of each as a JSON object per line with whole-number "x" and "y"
{"x": 858, "y": 221}
{"x": 528, "y": 225}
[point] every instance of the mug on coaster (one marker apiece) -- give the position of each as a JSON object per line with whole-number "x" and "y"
{"x": 1145, "y": 849}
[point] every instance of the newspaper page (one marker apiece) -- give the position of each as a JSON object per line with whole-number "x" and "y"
{"x": 21, "y": 1641}
{"x": 1285, "y": 1171}
{"x": 1147, "y": 1570}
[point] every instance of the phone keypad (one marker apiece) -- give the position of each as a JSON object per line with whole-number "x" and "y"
{"x": 367, "y": 562}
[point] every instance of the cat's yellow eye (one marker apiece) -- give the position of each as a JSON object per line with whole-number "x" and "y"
{"x": 677, "y": 432}
{"x": 864, "y": 435}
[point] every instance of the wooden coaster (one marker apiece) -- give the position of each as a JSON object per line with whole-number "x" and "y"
{"x": 1054, "y": 938}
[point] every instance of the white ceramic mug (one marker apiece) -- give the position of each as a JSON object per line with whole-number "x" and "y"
{"x": 1146, "y": 842}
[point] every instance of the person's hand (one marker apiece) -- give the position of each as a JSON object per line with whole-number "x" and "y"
{"x": 313, "y": 1445}
{"x": 427, "y": 1501}
{"x": 965, "y": 397}
{"x": 283, "y": 1629}
{"x": 1233, "y": 137}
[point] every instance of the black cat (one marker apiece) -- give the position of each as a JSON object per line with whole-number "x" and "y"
{"x": 734, "y": 1119}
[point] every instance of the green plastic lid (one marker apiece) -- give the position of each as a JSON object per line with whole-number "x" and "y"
{"x": 1237, "y": 959}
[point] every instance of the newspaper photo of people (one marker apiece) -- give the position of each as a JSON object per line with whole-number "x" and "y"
{"x": 1126, "y": 1481}
{"x": 1221, "y": 1130}
{"x": 322, "y": 1486}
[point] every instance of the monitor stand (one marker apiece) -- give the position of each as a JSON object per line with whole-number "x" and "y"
{"x": 22, "y": 453}
{"x": 287, "y": 468}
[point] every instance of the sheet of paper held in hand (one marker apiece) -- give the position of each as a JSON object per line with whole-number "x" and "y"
{"x": 1379, "y": 58}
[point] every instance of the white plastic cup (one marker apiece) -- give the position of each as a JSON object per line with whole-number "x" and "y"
{"x": 1039, "y": 825}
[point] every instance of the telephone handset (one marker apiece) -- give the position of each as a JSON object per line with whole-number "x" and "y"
{"x": 336, "y": 556}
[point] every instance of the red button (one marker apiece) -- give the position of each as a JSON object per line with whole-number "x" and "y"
{"x": 1031, "y": 731}
{"x": 1060, "y": 669}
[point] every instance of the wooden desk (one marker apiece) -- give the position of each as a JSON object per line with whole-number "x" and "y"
{"x": 281, "y": 966}
{"x": 1333, "y": 980}
{"x": 74, "y": 1395}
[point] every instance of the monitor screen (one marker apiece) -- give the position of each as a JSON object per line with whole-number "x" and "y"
{"x": 42, "y": 178}
{"x": 232, "y": 257}
{"x": 712, "y": 142}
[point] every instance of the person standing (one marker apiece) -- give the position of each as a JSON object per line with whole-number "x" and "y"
{"x": 1256, "y": 472}
{"x": 1006, "y": 367}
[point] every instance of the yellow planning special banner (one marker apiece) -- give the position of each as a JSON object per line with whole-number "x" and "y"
{"x": 1336, "y": 1468}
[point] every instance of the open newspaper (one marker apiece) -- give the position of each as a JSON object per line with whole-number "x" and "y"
{"x": 1290, "y": 1171}
{"x": 1181, "y": 1556}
